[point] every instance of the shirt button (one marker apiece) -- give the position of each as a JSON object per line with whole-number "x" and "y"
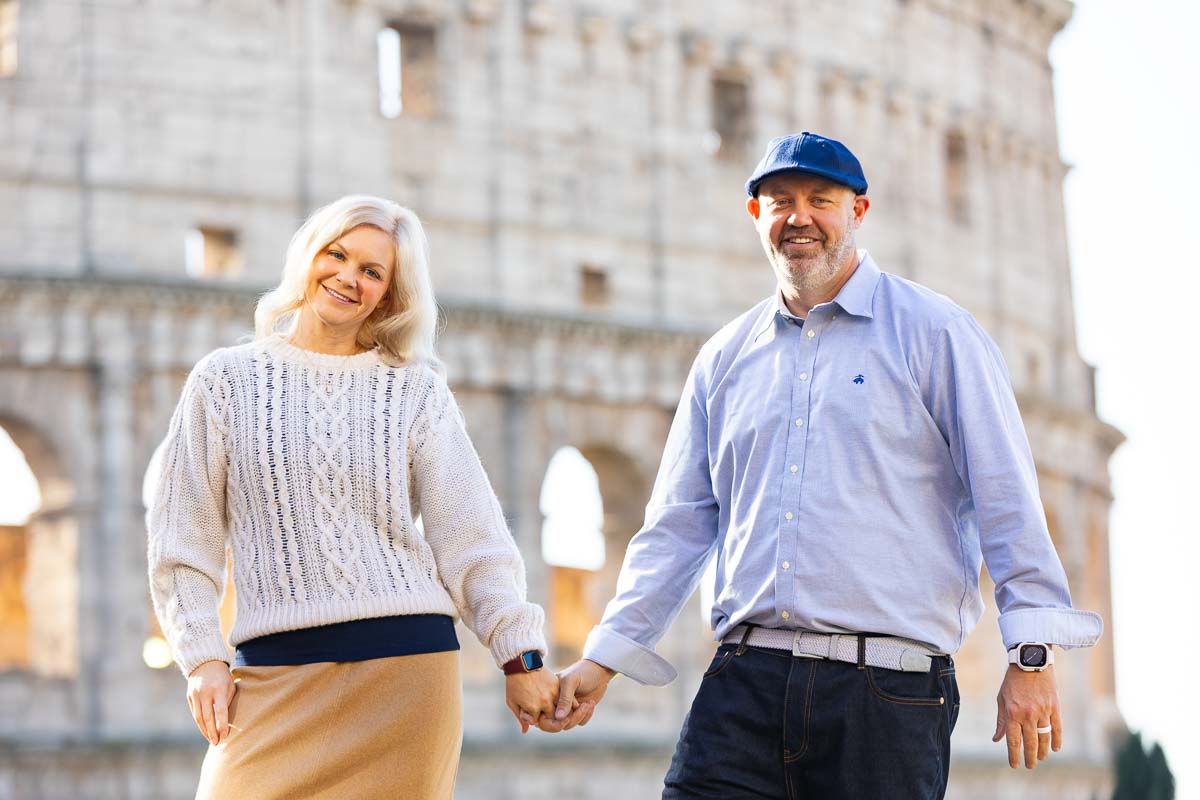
{"x": 794, "y": 468}
{"x": 787, "y": 565}
{"x": 803, "y": 376}
{"x": 811, "y": 333}
{"x": 799, "y": 423}
{"x": 788, "y": 515}
{"x": 785, "y": 615}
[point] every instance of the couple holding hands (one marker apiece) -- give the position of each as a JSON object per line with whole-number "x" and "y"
{"x": 849, "y": 449}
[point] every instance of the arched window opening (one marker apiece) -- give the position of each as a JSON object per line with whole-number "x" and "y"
{"x": 39, "y": 584}
{"x": 573, "y": 511}
{"x": 19, "y": 498}
{"x": 573, "y": 546}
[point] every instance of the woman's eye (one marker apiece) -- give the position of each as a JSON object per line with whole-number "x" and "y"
{"x": 338, "y": 255}
{"x": 374, "y": 274}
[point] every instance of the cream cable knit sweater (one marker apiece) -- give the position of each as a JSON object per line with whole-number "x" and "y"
{"x": 311, "y": 468}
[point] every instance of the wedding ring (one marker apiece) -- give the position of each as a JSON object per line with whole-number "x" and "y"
{"x": 1046, "y": 729}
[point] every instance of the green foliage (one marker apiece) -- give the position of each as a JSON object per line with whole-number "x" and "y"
{"x": 1142, "y": 775}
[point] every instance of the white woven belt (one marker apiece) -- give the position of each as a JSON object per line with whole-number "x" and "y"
{"x": 887, "y": 652}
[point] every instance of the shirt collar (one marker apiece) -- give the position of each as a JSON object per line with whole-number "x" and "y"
{"x": 855, "y": 297}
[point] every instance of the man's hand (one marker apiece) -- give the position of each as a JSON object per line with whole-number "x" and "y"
{"x": 583, "y": 685}
{"x": 530, "y": 696}
{"x": 1028, "y": 701}
{"x": 210, "y": 691}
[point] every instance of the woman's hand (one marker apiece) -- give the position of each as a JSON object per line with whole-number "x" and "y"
{"x": 209, "y": 693}
{"x": 531, "y": 695}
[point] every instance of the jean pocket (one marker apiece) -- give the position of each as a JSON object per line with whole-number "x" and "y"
{"x": 720, "y": 660}
{"x": 906, "y": 688}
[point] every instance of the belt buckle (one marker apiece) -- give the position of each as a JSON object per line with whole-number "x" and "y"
{"x": 799, "y": 637}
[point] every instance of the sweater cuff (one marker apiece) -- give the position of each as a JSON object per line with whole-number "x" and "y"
{"x": 194, "y": 653}
{"x": 512, "y": 642}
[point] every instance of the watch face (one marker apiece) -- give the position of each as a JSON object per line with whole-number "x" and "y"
{"x": 532, "y": 659}
{"x": 1033, "y": 655}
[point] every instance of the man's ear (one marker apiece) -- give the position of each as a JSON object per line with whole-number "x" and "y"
{"x": 753, "y": 207}
{"x": 861, "y": 204}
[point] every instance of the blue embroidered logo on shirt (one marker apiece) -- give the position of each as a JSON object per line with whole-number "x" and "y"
{"x": 859, "y": 379}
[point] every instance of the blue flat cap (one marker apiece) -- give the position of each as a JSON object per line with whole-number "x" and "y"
{"x": 812, "y": 154}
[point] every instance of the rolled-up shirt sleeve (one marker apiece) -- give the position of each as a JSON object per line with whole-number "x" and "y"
{"x": 971, "y": 400}
{"x": 665, "y": 559}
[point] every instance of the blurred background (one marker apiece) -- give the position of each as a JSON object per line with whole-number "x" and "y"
{"x": 579, "y": 166}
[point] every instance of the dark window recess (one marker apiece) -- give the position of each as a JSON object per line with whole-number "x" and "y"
{"x": 213, "y": 253}
{"x": 408, "y": 75}
{"x": 958, "y": 198}
{"x": 593, "y": 285}
{"x": 730, "y": 117}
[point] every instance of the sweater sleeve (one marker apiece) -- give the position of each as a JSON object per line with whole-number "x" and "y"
{"x": 476, "y": 557}
{"x": 186, "y": 524}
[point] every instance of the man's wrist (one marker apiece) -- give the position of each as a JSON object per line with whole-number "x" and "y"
{"x": 608, "y": 671}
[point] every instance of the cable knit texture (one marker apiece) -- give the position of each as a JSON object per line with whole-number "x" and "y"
{"x": 311, "y": 469}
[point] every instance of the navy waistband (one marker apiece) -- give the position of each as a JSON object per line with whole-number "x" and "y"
{"x": 356, "y": 640}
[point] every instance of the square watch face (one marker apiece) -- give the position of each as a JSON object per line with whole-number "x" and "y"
{"x": 530, "y": 660}
{"x": 1033, "y": 655}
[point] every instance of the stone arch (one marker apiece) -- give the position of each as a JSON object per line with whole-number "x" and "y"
{"x": 578, "y": 596}
{"x": 42, "y": 555}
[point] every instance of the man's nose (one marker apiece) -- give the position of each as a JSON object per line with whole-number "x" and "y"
{"x": 799, "y": 217}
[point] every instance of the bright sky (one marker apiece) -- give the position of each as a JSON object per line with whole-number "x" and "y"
{"x": 1130, "y": 125}
{"x": 1129, "y": 122}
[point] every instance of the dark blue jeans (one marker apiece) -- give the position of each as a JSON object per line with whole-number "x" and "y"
{"x": 766, "y": 724}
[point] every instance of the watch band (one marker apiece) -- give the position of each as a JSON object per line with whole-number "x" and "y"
{"x": 529, "y": 661}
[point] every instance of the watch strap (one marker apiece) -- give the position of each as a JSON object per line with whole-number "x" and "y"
{"x": 529, "y": 661}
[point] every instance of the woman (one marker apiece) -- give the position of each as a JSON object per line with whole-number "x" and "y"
{"x": 310, "y": 452}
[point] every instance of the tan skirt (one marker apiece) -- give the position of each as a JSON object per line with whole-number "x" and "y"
{"x": 386, "y": 728}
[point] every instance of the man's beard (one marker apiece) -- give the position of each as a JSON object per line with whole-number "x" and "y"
{"x": 814, "y": 271}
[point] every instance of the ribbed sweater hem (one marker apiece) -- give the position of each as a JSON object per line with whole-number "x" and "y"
{"x": 256, "y": 622}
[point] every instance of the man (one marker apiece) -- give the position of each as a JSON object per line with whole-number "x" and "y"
{"x": 850, "y": 449}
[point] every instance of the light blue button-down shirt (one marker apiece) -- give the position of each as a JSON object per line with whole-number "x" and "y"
{"x": 850, "y": 473}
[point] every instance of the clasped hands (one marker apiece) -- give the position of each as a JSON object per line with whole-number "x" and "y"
{"x": 557, "y": 702}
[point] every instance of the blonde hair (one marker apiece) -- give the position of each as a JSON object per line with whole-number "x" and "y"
{"x": 404, "y": 324}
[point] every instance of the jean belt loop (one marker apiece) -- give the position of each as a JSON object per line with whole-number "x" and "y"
{"x": 741, "y": 648}
{"x": 831, "y": 651}
{"x": 862, "y": 652}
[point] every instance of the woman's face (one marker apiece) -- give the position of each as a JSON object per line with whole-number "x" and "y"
{"x": 350, "y": 276}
